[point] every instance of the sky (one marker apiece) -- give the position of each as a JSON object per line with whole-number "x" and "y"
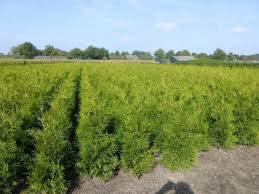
{"x": 196, "y": 25}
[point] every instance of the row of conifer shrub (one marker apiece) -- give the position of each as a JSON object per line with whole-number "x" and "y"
{"x": 23, "y": 98}
{"x": 97, "y": 147}
{"x": 54, "y": 149}
{"x": 133, "y": 117}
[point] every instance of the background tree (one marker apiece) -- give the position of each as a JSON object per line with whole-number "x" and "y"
{"x": 124, "y": 53}
{"x": 231, "y": 56}
{"x": 117, "y": 53}
{"x": 25, "y": 50}
{"x": 170, "y": 56}
{"x": 194, "y": 55}
{"x": 237, "y": 57}
{"x": 160, "y": 56}
{"x": 219, "y": 54}
{"x": 119, "y": 56}
{"x": 102, "y": 53}
{"x": 96, "y": 53}
{"x": 2, "y": 55}
{"x": 202, "y": 56}
{"x": 142, "y": 55}
{"x": 62, "y": 52}
{"x": 51, "y": 51}
{"x": 75, "y": 53}
{"x": 183, "y": 53}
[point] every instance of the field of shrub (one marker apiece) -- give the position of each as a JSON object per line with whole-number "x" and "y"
{"x": 59, "y": 120}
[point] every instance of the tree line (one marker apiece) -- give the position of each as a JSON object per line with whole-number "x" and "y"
{"x": 27, "y": 50}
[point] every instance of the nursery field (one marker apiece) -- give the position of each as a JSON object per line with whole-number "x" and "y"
{"x": 62, "y": 120}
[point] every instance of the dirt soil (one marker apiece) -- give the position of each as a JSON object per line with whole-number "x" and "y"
{"x": 218, "y": 171}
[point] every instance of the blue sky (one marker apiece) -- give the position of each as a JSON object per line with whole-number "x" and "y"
{"x": 200, "y": 25}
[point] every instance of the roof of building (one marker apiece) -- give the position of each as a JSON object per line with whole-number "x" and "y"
{"x": 184, "y": 58}
{"x": 49, "y": 57}
{"x": 132, "y": 57}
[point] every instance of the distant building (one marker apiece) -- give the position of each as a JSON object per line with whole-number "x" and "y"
{"x": 183, "y": 58}
{"x": 132, "y": 57}
{"x": 43, "y": 57}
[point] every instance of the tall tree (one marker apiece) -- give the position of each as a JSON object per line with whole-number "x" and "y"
{"x": 117, "y": 53}
{"x": 51, "y": 51}
{"x": 170, "y": 56}
{"x": 219, "y": 54}
{"x": 231, "y": 56}
{"x": 142, "y": 55}
{"x": 26, "y": 50}
{"x": 202, "y": 55}
{"x": 183, "y": 53}
{"x": 96, "y": 53}
{"x": 124, "y": 53}
{"x": 160, "y": 56}
{"x": 194, "y": 54}
{"x": 75, "y": 53}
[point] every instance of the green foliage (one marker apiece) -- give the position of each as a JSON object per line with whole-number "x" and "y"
{"x": 26, "y": 50}
{"x": 219, "y": 54}
{"x": 75, "y": 53}
{"x": 220, "y": 114}
{"x": 97, "y": 148}
{"x": 180, "y": 153}
{"x": 183, "y": 53}
{"x": 160, "y": 56}
{"x": 202, "y": 56}
{"x": 131, "y": 117}
{"x": 136, "y": 154}
{"x": 175, "y": 116}
{"x": 142, "y": 55}
{"x": 95, "y": 53}
{"x": 52, "y": 51}
{"x": 246, "y": 114}
{"x": 98, "y": 157}
{"x": 53, "y": 146}
{"x": 170, "y": 56}
{"x": 23, "y": 98}
{"x": 231, "y": 56}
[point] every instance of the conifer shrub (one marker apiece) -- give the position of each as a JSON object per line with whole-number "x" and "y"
{"x": 53, "y": 145}
{"x": 98, "y": 149}
{"x": 246, "y": 116}
{"x": 22, "y": 99}
{"x": 220, "y": 107}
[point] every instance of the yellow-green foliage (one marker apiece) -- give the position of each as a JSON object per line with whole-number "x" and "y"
{"x": 97, "y": 146}
{"x": 25, "y": 94}
{"x": 177, "y": 110}
{"x": 130, "y": 116}
{"x": 53, "y": 144}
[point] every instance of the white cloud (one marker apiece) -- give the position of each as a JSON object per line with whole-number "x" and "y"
{"x": 239, "y": 29}
{"x": 166, "y": 25}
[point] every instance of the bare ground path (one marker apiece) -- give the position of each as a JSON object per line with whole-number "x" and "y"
{"x": 218, "y": 171}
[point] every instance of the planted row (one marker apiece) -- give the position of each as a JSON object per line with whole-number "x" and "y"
{"x": 54, "y": 153}
{"x": 98, "y": 147}
{"x": 166, "y": 114}
{"x": 23, "y": 98}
